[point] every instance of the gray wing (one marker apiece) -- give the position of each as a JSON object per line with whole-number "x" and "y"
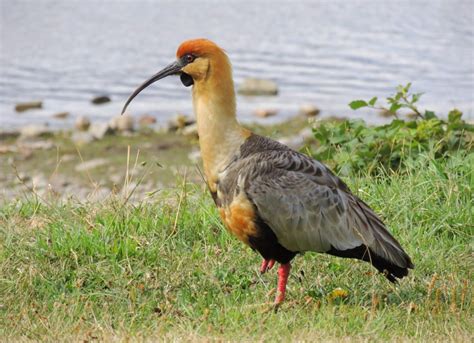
{"x": 310, "y": 209}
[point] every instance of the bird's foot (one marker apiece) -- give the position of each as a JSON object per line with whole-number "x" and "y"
{"x": 283, "y": 273}
{"x": 266, "y": 265}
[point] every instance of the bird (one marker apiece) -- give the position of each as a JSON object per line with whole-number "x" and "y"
{"x": 276, "y": 200}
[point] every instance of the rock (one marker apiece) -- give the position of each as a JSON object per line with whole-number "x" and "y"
{"x": 122, "y": 123}
{"x": 264, "y": 113}
{"x": 146, "y": 120}
{"x": 8, "y": 134}
{"x": 179, "y": 122}
{"x": 91, "y": 164}
{"x": 61, "y": 115}
{"x": 34, "y": 131}
{"x": 190, "y": 131}
{"x": 309, "y": 110}
{"x": 386, "y": 113}
{"x": 100, "y": 130}
{"x": 82, "y": 137}
{"x": 125, "y": 123}
{"x": 102, "y": 99}
{"x": 253, "y": 86}
{"x": 82, "y": 123}
{"x": 36, "y": 145}
{"x": 25, "y": 106}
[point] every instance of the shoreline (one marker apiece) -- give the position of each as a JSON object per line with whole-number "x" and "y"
{"x": 65, "y": 163}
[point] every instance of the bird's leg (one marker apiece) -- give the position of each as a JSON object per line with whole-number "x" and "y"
{"x": 266, "y": 265}
{"x": 283, "y": 273}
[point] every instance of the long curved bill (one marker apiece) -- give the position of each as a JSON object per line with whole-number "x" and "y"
{"x": 172, "y": 69}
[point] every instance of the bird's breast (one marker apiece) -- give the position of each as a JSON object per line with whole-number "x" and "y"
{"x": 238, "y": 216}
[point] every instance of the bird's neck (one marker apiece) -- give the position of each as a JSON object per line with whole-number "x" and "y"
{"x": 220, "y": 134}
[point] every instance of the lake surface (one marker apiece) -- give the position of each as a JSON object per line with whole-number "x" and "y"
{"x": 325, "y": 53}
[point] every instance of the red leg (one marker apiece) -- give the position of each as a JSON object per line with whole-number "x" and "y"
{"x": 266, "y": 265}
{"x": 283, "y": 273}
{"x": 271, "y": 263}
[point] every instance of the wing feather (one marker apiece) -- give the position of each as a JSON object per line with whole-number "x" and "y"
{"x": 311, "y": 209}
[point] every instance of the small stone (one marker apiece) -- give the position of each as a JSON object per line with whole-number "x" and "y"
{"x": 100, "y": 130}
{"x": 265, "y": 113}
{"x": 91, "y": 164}
{"x": 61, "y": 115}
{"x": 190, "y": 131}
{"x": 34, "y": 131}
{"x": 125, "y": 123}
{"x": 36, "y": 144}
{"x": 309, "y": 110}
{"x": 146, "y": 120}
{"x": 25, "y": 106}
{"x": 82, "y": 123}
{"x": 179, "y": 122}
{"x": 9, "y": 134}
{"x": 102, "y": 99}
{"x": 386, "y": 113}
{"x": 82, "y": 137}
{"x": 252, "y": 86}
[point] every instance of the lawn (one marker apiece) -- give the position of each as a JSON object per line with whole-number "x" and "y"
{"x": 167, "y": 269}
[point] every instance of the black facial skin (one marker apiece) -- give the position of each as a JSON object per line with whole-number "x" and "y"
{"x": 186, "y": 79}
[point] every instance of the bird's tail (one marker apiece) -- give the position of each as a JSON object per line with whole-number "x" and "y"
{"x": 383, "y": 251}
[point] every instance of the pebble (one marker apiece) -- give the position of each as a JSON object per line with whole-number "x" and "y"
{"x": 146, "y": 120}
{"x": 61, "y": 115}
{"x": 309, "y": 110}
{"x": 100, "y": 130}
{"x": 25, "y": 106}
{"x": 34, "y": 131}
{"x": 101, "y": 99}
{"x": 252, "y": 86}
{"x": 82, "y": 123}
{"x": 265, "y": 113}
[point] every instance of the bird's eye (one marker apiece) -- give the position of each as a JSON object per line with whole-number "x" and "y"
{"x": 189, "y": 58}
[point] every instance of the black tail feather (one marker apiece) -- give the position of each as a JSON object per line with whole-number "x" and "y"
{"x": 362, "y": 252}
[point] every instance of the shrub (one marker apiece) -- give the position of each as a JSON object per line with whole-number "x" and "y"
{"x": 352, "y": 146}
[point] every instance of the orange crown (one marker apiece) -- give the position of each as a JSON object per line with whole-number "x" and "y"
{"x": 198, "y": 47}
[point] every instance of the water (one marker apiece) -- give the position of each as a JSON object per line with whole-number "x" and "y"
{"x": 325, "y": 53}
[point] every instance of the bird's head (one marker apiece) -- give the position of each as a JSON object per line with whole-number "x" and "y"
{"x": 197, "y": 60}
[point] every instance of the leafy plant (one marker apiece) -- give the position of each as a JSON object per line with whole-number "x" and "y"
{"x": 352, "y": 146}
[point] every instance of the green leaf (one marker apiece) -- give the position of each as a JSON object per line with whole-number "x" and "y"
{"x": 454, "y": 116}
{"x": 415, "y": 97}
{"x": 429, "y": 115}
{"x": 395, "y": 107}
{"x": 372, "y": 101}
{"x": 356, "y": 104}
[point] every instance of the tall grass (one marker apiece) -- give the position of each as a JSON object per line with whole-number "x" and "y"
{"x": 116, "y": 271}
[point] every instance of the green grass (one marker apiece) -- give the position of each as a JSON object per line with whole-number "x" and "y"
{"x": 169, "y": 270}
